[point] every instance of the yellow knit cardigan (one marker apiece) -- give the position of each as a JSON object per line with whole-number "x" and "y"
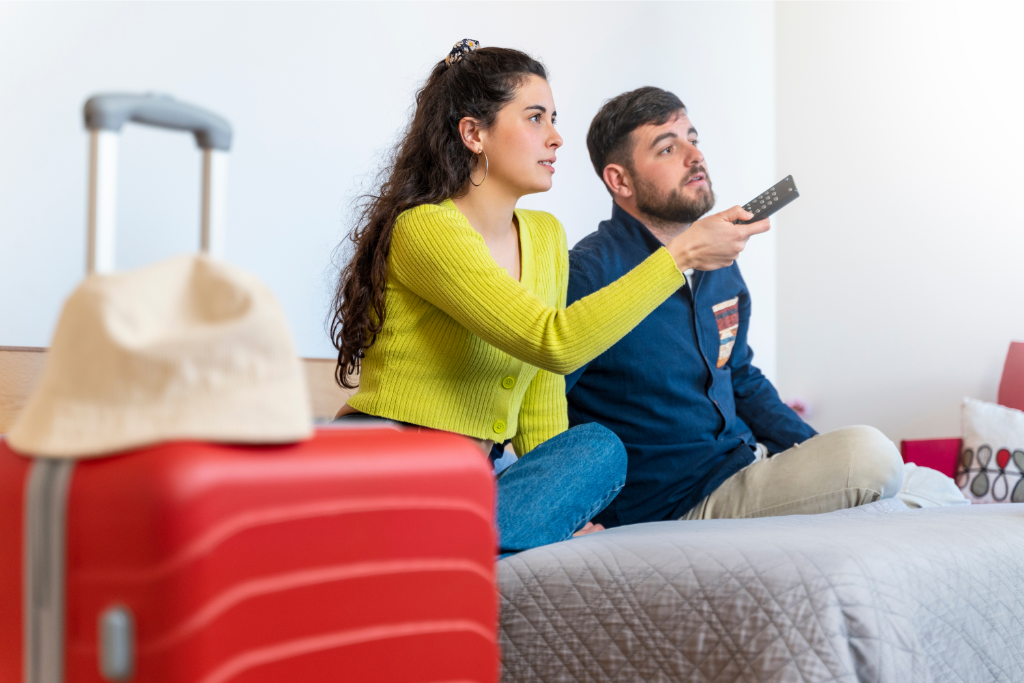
{"x": 467, "y": 349}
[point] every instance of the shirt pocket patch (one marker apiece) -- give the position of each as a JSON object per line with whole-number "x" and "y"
{"x": 727, "y": 317}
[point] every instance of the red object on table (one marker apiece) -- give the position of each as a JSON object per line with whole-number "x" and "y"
{"x": 942, "y": 454}
{"x": 363, "y": 555}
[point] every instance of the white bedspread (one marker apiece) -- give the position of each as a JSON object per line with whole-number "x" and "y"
{"x": 879, "y": 593}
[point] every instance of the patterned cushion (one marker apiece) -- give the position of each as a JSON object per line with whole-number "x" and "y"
{"x": 991, "y": 467}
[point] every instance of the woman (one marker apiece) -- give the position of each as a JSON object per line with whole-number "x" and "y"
{"x": 453, "y": 305}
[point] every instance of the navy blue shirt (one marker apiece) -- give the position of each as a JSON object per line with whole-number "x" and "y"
{"x": 680, "y": 389}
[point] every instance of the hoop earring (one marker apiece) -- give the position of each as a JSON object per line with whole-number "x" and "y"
{"x": 487, "y": 167}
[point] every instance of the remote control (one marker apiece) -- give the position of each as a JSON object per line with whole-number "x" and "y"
{"x": 771, "y": 200}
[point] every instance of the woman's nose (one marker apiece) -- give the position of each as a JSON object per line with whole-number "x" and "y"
{"x": 556, "y": 140}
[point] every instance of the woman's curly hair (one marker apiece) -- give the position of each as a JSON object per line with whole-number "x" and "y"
{"x": 429, "y": 165}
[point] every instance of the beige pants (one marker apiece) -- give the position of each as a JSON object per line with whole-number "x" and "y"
{"x": 841, "y": 469}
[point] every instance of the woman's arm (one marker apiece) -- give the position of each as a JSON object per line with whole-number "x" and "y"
{"x": 437, "y": 255}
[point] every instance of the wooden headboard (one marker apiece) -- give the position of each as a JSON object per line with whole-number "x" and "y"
{"x": 21, "y": 367}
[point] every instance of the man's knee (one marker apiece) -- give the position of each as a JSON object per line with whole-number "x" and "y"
{"x": 876, "y": 463}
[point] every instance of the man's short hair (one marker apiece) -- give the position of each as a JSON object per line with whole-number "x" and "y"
{"x": 610, "y": 138}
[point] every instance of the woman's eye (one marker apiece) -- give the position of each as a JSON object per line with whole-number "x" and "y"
{"x": 535, "y": 118}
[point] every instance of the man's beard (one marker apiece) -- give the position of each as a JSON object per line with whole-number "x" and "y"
{"x": 674, "y": 207}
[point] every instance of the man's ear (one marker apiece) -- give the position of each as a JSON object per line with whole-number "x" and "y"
{"x": 472, "y": 134}
{"x": 618, "y": 180}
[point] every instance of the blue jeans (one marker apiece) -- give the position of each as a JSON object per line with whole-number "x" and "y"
{"x": 554, "y": 490}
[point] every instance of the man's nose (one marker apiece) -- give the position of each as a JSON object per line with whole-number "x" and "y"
{"x": 693, "y": 156}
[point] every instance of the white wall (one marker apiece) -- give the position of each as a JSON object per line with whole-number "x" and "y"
{"x": 316, "y": 93}
{"x": 900, "y": 267}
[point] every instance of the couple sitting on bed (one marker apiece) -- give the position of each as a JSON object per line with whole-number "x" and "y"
{"x": 464, "y": 313}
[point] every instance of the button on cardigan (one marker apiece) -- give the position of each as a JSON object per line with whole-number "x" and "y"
{"x": 458, "y": 327}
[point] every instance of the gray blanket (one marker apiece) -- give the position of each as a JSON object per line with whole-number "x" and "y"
{"x": 879, "y": 593}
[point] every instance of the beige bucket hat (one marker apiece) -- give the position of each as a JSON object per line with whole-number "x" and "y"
{"x": 185, "y": 349}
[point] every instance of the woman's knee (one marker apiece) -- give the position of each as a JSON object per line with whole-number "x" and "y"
{"x": 606, "y": 456}
{"x": 876, "y": 463}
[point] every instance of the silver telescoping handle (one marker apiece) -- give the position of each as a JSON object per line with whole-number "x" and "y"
{"x": 104, "y": 116}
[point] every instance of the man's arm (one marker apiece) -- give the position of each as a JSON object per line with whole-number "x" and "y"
{"x": 757, "y": 402}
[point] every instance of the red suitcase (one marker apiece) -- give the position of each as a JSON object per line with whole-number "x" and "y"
{"x": 361, "y": 555}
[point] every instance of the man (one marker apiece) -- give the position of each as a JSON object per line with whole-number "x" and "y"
{"x": 706, "y": 433}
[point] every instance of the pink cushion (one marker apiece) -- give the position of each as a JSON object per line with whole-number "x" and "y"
{"x": 938, "y": 454}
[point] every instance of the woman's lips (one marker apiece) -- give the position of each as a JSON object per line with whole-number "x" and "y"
{"x": 548, "y": 164}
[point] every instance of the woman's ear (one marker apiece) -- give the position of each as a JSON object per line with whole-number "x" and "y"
{"x": 472, "y": 134}
{"x": 618, "y": 181}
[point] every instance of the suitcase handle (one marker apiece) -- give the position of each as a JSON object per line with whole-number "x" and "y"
{"x": 104, "y": 117}
{"x": 109, "y": 112}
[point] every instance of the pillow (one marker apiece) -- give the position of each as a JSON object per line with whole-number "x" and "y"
{"x": 924, "y": 487}
{"x": 991, "y": 466}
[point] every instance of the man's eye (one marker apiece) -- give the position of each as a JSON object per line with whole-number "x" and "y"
{"x": 666, "y": 150}
{"x": 694, "y": 142}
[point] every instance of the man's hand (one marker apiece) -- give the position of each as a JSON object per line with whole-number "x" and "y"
{"x": 715, "y": 241}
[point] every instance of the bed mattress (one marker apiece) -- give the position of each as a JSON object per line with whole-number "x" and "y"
{"x": 878, "y": 593}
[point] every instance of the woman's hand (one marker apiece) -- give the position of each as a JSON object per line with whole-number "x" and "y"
{"x": 715, "y": 241}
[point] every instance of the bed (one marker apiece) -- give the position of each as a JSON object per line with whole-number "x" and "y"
{"x": 879, "y": 593}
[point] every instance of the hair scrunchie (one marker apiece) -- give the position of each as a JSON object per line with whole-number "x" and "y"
{"x": 463, "y": 47}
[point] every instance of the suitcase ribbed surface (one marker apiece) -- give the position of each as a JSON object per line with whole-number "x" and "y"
{"x": 361, "y": 555}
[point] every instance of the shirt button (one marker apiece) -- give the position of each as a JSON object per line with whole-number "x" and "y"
{"x": 499, "y": 426}
{"x": 508, "y": 382}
